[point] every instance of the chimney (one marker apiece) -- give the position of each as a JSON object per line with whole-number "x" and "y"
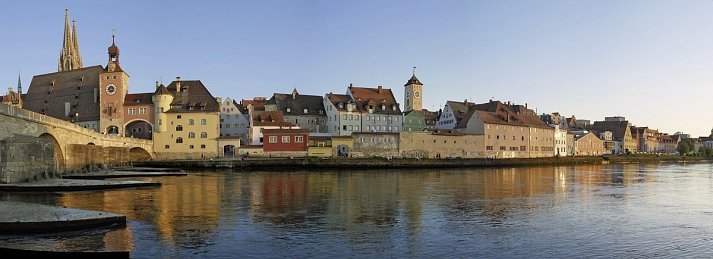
{"x": 178, "y": 84}
{"x": 525, "y": 105}
{"x": 350, "y": 85}
{"x": 465, "y": 102}
{"x": 379, "y": 88}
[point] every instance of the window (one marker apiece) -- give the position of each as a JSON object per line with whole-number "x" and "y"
{"x": 368, "y": 128}
{"x": 190, "y": 122}
{"x": 356, "y": 128}
{"x": 273, "y": 139}
{"x": 227, "y": 126}
{"x": 204, "y": 135}
{"x": 191, "y": 135}
{"x": 298, "y": 139}
{"x": 179, "y": 128}
{"x": 503, "y": 148}
{"x": 305, "y": 110}
{"x": 166, "y": 146}
{"x": 351, "y": 127}
{"x": 489, "y": 148}
{"x": 344, "y": 127}
{"x": 178, "y": 116}
{"x": 190, "y": 147}
{"x": 142, "y": 110}
{"x": 179, "y": 140}
{"x": 203, "y": 146}
{"x": 132, "y": 111}
{"x": 344, "y": 117}
{"x": 203, "y": 121}
{"x": 285, "y": 139}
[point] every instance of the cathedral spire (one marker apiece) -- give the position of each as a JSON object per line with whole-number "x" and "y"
{"x": 75, "y": 45}
{"x": 69, "y": 56}
{"x": 19, "y": 83}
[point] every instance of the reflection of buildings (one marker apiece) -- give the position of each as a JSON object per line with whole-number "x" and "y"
{"x": 186, "y": 210}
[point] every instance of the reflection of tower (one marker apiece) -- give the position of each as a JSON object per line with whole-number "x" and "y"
{"x": 413, "y": 94}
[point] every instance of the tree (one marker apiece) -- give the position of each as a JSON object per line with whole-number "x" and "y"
{"x": 683, "y": 148}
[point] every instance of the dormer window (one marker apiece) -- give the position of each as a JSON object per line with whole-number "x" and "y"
{"x": 288, "y": 109}
{"x": 383, "y": 107}
{"x": 341, "y": 105}
{"x": 305, "y": 110}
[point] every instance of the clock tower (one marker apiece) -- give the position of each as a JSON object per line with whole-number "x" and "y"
{"x": 413, "y": 95}
{"x": 113, "y": 87}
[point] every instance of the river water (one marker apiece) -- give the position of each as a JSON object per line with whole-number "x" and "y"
{"x": 629, "y": 210}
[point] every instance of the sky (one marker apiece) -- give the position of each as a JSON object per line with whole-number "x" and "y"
{"x": 648, "y": 60}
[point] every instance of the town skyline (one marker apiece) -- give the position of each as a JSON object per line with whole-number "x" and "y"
{"x": 462, "y": 50}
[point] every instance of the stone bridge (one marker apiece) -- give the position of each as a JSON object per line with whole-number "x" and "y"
{"x": 74, "y": 146}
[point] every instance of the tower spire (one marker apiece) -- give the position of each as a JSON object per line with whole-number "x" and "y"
{"x": 75, "y": 46}
{"x": 69, "y": 56}
{"x": 19, "y": 83}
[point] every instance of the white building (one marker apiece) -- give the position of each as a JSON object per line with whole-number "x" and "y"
{"x": 453, "y": 112}
{"x": 343, "y": 114}
{"x": 233, "y": 120}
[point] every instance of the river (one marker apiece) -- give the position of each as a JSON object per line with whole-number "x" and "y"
{"x": 617, "y": 210}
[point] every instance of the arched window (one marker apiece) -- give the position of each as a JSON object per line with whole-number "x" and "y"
{"x": 191, "y": 135}
{"x": 203, "y": 121}
{"x": 190, "y": 121}
{"x": 179, "y": 140}
{"x": 179, "y": 128}
{"x": 204, "y": 135}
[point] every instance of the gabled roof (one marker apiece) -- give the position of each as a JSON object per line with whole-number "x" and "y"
{"x": 258, "y": 103}
{"x": 459, "y": 109}
{"x": 297, "y": 103}
{"x": 138, "y": 99}
{"x": 617, "y": 128}
{"x": 48, "y": 93}
{"x": 496, "y": 112}
{"x": 344, "y": 99}
{"x": 375, "y": 98}
{"x": 193, "y": 97}
{"x": 269, "y": 118}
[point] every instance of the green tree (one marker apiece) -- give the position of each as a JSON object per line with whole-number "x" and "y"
{"x": 683, "y": 148}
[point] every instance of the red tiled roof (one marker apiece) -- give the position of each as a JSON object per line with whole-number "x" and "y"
{"x": 374, "y": 98}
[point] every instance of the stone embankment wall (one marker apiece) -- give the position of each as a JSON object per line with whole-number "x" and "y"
{"x": 366, "y": 163}
{"x": 83, "y": 158}
{"x": 24, "y": 158}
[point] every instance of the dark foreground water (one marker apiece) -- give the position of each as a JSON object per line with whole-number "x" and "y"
{"x": 621, "y": 211}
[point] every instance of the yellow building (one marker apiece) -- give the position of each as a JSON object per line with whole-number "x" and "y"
{"x": 187, "y": 119}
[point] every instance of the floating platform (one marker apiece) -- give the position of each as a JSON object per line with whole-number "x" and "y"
{"x": 69, "y": 185}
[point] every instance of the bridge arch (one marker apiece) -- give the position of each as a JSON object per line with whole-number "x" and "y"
{"x": 139, "y": 154}
{"x": 59, "y": 161}
{"x": 138, "y": 128}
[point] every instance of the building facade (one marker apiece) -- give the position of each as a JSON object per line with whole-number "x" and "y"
{"x": 233, "y": 120}
{"x": 380, "y": 111}
{"x": 187, "y": 119}
{"x": 343, "y": 114}
{"x": 286, "y": 142}
{"x": 508, "y": 133}
{"x": 453, "y": 113}
{"x": 588, "y": 144}
{"x": 305, "y": 111}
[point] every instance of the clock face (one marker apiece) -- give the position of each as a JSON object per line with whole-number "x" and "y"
{"x": 416, "y": 94}
{"x": 111, "y": 89}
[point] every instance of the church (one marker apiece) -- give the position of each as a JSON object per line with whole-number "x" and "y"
{"x": 95, "y": 97}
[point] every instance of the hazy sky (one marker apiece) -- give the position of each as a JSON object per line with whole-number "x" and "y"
{"x": 650, "y": 61}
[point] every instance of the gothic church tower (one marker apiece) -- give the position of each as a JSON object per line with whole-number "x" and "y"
{"x": 69, "y": 58}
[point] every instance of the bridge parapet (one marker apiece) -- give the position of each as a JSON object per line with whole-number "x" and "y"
{"x": 67, "y": 136}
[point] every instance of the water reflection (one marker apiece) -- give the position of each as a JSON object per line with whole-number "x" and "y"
{"x": 376, "y": 212}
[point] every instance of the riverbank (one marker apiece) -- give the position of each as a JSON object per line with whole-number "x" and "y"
{"x": 374, "y": 163}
